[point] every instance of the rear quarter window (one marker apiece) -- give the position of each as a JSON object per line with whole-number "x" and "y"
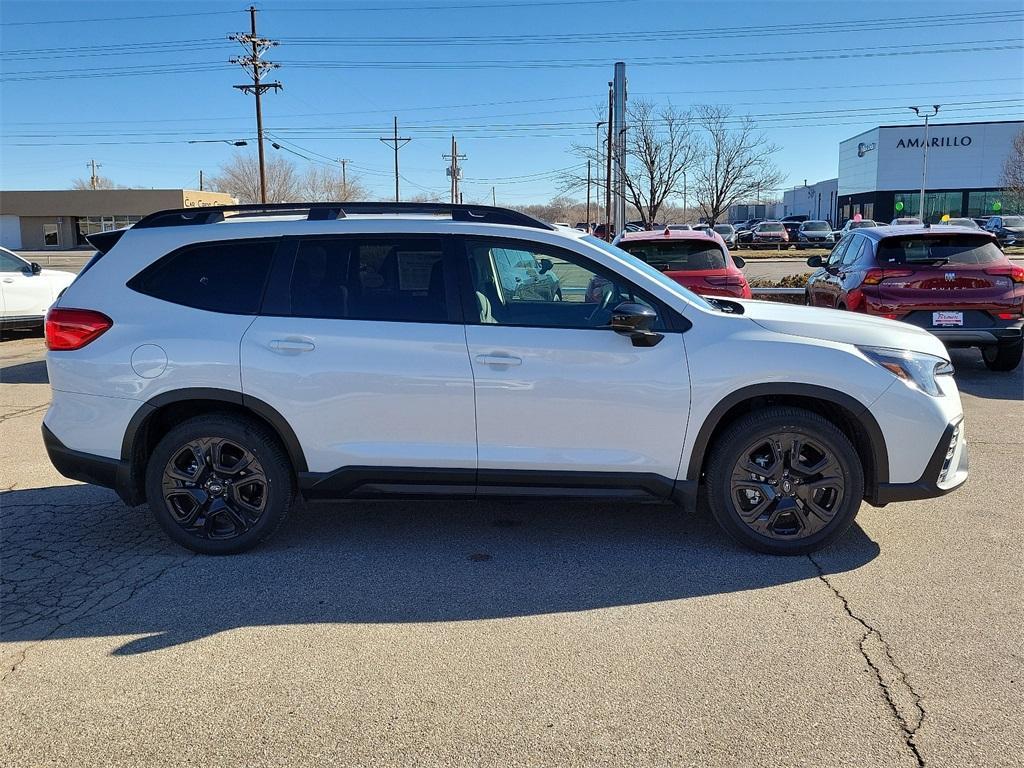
{"x": 227, "y": 276}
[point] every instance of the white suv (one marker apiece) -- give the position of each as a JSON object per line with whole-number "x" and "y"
{"x": 216, "y": 365}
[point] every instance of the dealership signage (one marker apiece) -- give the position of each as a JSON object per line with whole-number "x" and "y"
{"x": 935, "y": 141}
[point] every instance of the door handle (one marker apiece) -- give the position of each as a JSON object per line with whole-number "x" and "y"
{"x": 292, "y": 346}
{"x": 499, "y": 360}
{"x": 8, "y": 279}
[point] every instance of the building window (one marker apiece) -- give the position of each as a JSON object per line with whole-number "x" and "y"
{"x": 992, "y": 203}
{"x": 51, "y": 236}
{"x": 936, "y": 205}
{"x": 868, "y": 210}
{"x": 89, "y": 225}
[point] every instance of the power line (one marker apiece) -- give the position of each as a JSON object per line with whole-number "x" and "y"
{"x": 114, "y": 18}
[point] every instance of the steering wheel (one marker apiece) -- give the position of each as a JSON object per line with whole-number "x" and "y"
{"x": 603, "y": 311}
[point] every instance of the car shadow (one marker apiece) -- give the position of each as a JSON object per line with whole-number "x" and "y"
{"x": 76, "y": 559}
{"x": 25, "y": 373}
{"x": 975, "y": 379}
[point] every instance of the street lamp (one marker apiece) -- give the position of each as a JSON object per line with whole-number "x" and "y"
{"x": 597, "y": 161}
{"x": 924, "y": 158}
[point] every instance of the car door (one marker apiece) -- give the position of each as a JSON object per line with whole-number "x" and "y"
{"x": 561, "y": 399}
{"x": 361, "y": 348}
{"x": 846, "y": 274}
{"x": 24, "y": 294}
{"x": 823, "y": 286}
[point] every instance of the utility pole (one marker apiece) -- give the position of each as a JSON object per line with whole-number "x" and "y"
{"x": 396, "y": 142}
{"x": 344, "y": 178}
{"x": 597, "y": 164}
{"x": 494, "y": 199}
{"x": 924, "y": 157}
{"x": 608, "y": 172}
{"x": 588, "y": 196}
{"x": 619, "y": 92}
{"x": 454, "y": 171}
{"x": 200, "y": 179}
{"x": 254, "y": 66}
{"x": 94, "y": 180}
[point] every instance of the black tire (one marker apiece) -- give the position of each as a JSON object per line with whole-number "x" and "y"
{"x": 796, "y": 529}
{"x": 1004, "y": 357}
{"x": 223, "y": 508}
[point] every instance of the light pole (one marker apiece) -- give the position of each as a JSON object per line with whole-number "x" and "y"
{"x": 597, "y": 160}
{"x": 685, "y": 215}
{"x": 924, "y": 156}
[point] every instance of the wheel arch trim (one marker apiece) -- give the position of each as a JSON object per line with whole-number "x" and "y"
{"x": 257, "y": 407}
{"x": 858, "y": 410}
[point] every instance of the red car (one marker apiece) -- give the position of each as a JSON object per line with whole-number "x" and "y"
{"x": 952, "y": 281}
{"x": 695, "y": 259}
{"x": 769, "y": 233}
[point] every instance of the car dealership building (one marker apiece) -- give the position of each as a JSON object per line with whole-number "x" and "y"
{"x": 880, "y": 171}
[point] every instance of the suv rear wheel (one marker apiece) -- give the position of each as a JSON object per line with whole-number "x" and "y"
{"x": 784, "y": 481}
{"x": 1004, "y": 357}
{"x": 219, "y": 484}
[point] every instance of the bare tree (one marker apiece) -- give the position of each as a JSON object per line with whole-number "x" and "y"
{"x": 736, "y": 165}
{"x": 322, "y": 183}
{"x": 1013, "y": 174}
{"x": 240, "y": 178}
{"x": 660, "y": 151}
{"x": 102, "y": 182}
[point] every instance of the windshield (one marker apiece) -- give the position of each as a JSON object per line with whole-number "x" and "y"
{"x": 651, "y": 272}
{"x": 945, "y": 249}
{"x": 687, "y": 255}
{"x": 724, "y": 229}
{"x": 773, "y": 227}
{"x": 1013, "y": 221}
{"x": 815, "y": 226}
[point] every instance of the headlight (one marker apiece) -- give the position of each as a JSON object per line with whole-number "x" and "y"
{"x": 915, "y": 369}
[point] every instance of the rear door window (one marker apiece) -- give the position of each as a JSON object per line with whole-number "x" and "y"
{"x": 227, "y": 276}
{"x": 856, "y": 252}
{"x": 357, "y": 278}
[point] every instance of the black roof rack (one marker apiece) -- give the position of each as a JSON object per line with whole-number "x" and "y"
{"x": 484, "y": 214}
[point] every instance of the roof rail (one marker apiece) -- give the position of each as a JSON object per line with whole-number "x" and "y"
{"x": 484, "y": 214}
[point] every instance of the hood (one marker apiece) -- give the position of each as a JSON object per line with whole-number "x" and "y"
{"x": 844, "y": 327}
{"x": 58, "y": 276}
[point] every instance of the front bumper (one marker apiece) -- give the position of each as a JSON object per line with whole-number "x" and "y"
{"x": 946, "y": 471}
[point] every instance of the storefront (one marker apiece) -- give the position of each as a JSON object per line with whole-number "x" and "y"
{"x": 880, "y": 171}
{"x": 61, "y": 219}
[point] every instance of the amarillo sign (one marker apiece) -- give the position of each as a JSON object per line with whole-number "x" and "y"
{"x": 936, "y": 141}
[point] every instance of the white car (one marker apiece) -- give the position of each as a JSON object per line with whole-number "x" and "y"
{"x": 217, "y": 362}
{"x": 27, "y": 290}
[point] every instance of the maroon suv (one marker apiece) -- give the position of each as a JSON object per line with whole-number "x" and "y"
{"x": 952, "y": 281}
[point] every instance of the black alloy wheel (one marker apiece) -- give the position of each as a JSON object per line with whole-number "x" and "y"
{"x": 784, "y": 480}
{"x": 219, "y": 484}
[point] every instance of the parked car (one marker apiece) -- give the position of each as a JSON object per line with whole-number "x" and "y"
{"x": 981, "y": 221}
{"x": 959, "y": 222}
{"x": 768, "y": 234}
{"x": 815, "y": 234}
{"x": 951, "y": 281}
{"x": 698, "y": 260}
{"x": 218, "y": 362}
{"x": 728, "y": 233}
{"x": 680, "y": 227}
{"x": 792, "y": 230}
{"x": 902, "y": 221}
{"x": 1009, "y": 230}
{"x": 27, "y": 291}
{"x": 707, "y": 229}
{"x": 797, "y": 217}
{"x": 852, "y": 224}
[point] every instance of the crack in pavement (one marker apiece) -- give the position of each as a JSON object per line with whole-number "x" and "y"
{"x": 903, "y": 700}
{"x": 24, "y": 412}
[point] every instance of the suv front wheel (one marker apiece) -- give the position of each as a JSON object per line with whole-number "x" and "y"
{"x": 219, "y": 484}
{"x": 784, "y": 481}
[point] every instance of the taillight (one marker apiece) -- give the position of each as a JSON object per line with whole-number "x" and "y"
{"x": 1007, "y": 315}
{"x": 875, "y": 276}
{"x": 1012, "y": 271}
{"x": 721, "y": 280}
{"x": 70, "y": 329}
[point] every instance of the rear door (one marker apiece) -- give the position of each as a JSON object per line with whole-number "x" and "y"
{"x": 24, "y": 294}
{"x": 361, "y": 348}
{"x": 824, "y": 283}
{"x": 562, "y": 400}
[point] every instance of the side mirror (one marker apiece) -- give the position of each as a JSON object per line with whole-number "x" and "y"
{"x": 739, "y": 261}
{"x": 545, "y": 265}
{"x": 635, "y": 321}
{"x": 36, "y": 269}
{"x": 814, "y": 261}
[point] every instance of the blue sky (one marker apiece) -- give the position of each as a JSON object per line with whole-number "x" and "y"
{"x": 517, "y": 81}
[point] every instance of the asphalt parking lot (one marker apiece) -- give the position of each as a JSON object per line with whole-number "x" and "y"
{"x": 531, "y": 633}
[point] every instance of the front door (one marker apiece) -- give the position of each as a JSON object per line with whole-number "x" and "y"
{"x": 562, "y": 400}
{"x": 361, "y": 349}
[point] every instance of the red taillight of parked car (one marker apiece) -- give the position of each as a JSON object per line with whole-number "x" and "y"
{"x": 1012, "y": 271}
{"x": 875, "y": 276}
{"x": 71, "y": 329}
